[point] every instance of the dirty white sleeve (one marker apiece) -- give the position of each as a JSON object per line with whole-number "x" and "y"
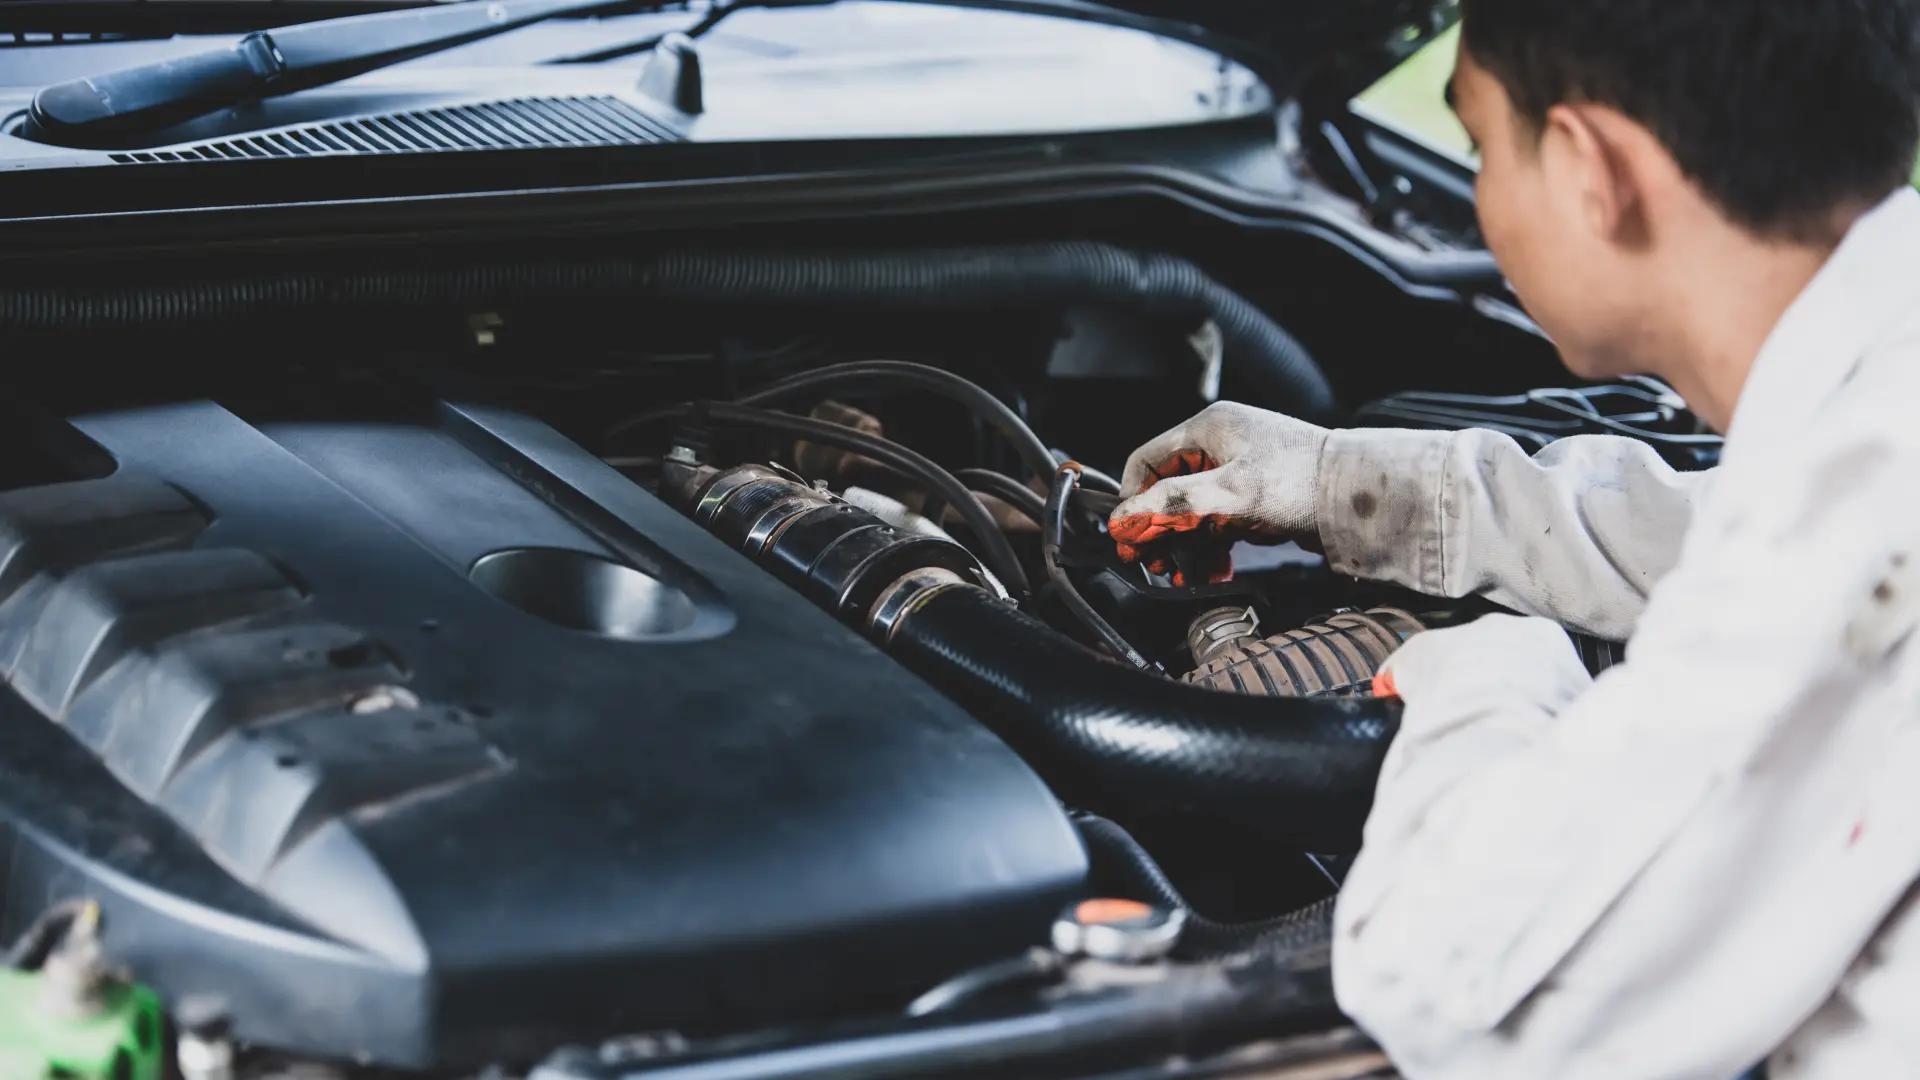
{"x": 1578, "y": 533}
{"x": 1664, "y": 872}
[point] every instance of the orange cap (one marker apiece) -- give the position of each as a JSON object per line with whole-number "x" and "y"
{"x": 1106, "y": 911}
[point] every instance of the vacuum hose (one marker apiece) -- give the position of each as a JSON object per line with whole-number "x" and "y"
{"x": 1265, "y": 364}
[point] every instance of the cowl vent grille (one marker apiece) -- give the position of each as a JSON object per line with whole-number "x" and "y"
{"x": 529, "y": 123}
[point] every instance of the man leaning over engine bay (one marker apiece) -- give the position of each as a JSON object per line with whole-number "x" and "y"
{"x": 1707, "y": 857}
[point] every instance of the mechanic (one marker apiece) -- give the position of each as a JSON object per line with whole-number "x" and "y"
{"x": 1707, "y": 858}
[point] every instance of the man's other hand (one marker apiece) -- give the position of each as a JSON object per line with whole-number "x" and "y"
{"x": 1504, "y": 658}
{"x": 1232, "y": 473}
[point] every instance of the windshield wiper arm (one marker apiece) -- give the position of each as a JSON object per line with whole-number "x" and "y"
{"x": 103, "y": 109}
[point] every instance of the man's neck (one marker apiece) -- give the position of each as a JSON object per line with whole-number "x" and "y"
{"x": 1729, "y": 296}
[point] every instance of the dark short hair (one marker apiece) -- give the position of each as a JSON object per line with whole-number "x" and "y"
{"x": 1782, "y": 111}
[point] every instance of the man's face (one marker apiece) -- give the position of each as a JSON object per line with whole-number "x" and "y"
{"x": 1574, "y": 281}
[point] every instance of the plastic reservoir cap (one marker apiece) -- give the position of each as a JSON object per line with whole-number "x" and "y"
{"x": 1118, "y": 931}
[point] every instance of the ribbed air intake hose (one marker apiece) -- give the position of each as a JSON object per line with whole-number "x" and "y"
{"x": 1264, "y": 363}
{"x": 1113, "y": 739}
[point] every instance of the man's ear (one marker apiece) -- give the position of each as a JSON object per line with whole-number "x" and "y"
{"x": 1602, "y": 157}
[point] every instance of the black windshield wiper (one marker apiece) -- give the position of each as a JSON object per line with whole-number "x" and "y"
{"x": 103, "y": 109}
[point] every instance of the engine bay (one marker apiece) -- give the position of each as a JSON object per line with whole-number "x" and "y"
{"x": 737, "y": 677}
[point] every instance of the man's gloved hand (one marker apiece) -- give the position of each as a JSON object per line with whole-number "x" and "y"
{"x": 1493, "y": 661}
{"x": 1232, "y": 473}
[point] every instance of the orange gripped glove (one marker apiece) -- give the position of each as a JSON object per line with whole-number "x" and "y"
{"x": 1232, "y": 473}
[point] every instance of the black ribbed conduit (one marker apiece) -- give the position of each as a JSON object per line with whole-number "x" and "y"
{"x": 1122, "y": 866}
{"x": 1116, "y": 740}
{"x": 1266, "y": 363}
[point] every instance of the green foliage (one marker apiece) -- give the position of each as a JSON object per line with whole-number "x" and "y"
{"x": 1412, "y": 100}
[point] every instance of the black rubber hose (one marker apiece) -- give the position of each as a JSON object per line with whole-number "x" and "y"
{"x": 1053, "y": 533}
{"x": 1008, "y": 490}
{"x": 996, "y": 553}
{"x": 1122, "y": 866}
{"x": 1115, "y": 740}
{"x": 1092, "y": 479}
{"x": 890, "y": 374}
{"x": 1268, "y": 366}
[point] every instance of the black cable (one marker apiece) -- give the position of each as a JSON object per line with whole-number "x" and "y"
{"x": 1007, "y": 490}
{"x": 997, "y": 554}
{"x": 1092, "y": 479}
{"x": 869, "y": 374}
{"x": 1033, "y": 967}
{"x": 1120, "y": 863}
{"x": 872, "y": 374}
{"x": 1052, "y": 535}
{"x": 934, "y": 508}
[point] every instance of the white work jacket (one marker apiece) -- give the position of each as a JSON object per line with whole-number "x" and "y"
{"x": 1707, "y": 857}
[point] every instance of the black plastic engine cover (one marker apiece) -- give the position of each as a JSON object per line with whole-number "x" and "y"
{"x": 272, "y": 704}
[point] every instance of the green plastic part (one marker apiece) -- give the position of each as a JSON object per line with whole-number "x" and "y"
{"x": 118, "y": 1038}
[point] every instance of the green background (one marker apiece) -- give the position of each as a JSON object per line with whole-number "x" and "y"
{"x": 1412, "y": 100}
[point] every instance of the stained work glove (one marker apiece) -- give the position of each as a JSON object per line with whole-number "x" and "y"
{"x": 1232, "y": 473}
{"x": 1536, "y": 664}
